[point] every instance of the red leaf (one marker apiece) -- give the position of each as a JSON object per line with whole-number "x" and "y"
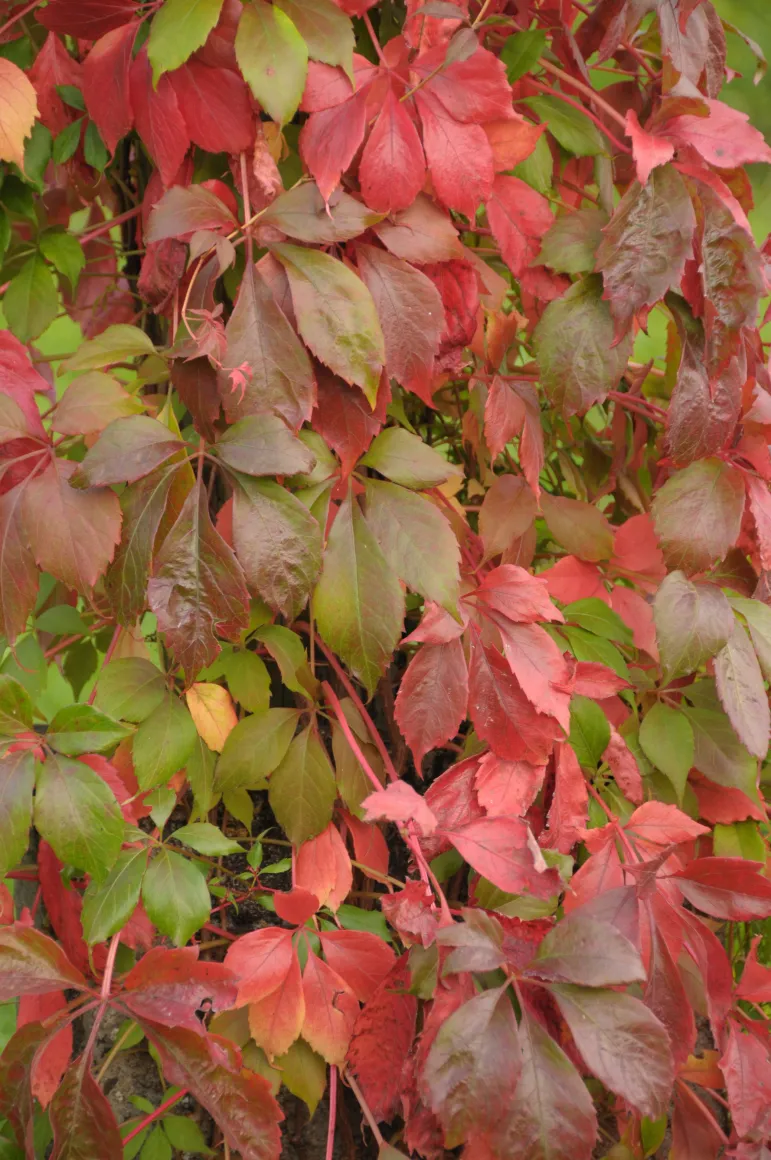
{"x": 519, "y": 217}
{"x": 239, "y": 1101}
{"x": 261, "y": 960}
{"x": 330, "y": 1011}
{"x": 437, "y": 626}
{"x": 636, "y": 549}
{"x": 727, "y": 888}
{"x": 648, "y": 149}
{"x": 453, "y": 801}
{"x": 573, "y": 579}
{"x": 585, "y": 950}
{"x": 168, "y": 986}
{"x": 182, "y": 210}
{"x": 63, "y": 906}
{"x": 432, "y": 698}
{"x": 539, "y": 667}
{"x": 369, "y": 845}
{"x": 324, "y": 868}
{"x": 512, "y": 408}
{"x": 87, "y": 19}
{"x": 458, "y": 285}
{"x": 363, "y": 960}
{"x": 755, "y": 984}
{"x": 400, "y": 803}
{"x": 724, "y": 138}
{"x": 81, "y": 1117}
{"x": 696, "y": 1134}
{"x": 459, "y": 157}
{"x": 512, "y": 140}
{"x": 473, "y": 1065}
{"x": 215, "y": 107}
{"x": 637, "y": 614}
{"x": 411, "y": 912}
{"x": 276, "y": 1021}
{"x": 624, "y": 767}
{"x": 600, "y": 872}
{"x": 327, "y": 87}
{"x": 597, "y": 681}
{"x": 344, "y": 418}
{"x": 474, "y": 89}
{"x": 20, "y": 380}
{"x": 569, "y": 806}
{"x": 663, "y": 825}
{"x": 411, "y": 316}
{"x": 517, "y": 595}
{"x": 33, "y": 964}
{"x": 760, "y": 506}
{"x": 297, "y": 906}
{"x": 667, "y": 997}
{"x": 393, "y": 168}
{"x": 106, "y": 84}
{"x": 54, "y": 66}
{"x": 502, "y": 714}
{"x": 381, "y": 1041}
{"x": 504, "y": 851}
{"x": 159, "y": 119}
{"x": 507, "y": 788}
{"x": 51, "y": 1064}
{"x": 746, "y": 1065}
{"x": 329, "y": 140}
{"x": 724, "y": 804}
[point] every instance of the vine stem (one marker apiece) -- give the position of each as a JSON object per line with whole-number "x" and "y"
{"x": 365, "y": 1109}
{"x": 373, "y": 37}
{"x": 104, "y": 993}
{"x": 149, "y": 1119}
{"x": 107, "y": 658}
{"x": 411, "y": 838}
{"x": 19, "y": 16}
{"x": 105, "y": 227}
{"x": 332, "y": 1112}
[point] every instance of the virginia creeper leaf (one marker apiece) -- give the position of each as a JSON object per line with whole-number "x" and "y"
{"x": 78, "y": 815}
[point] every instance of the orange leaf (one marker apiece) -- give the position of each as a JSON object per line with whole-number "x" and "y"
{"x": 18, "y": 109}
{"x": 212, "y": 711}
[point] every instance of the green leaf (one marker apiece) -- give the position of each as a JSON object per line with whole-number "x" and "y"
{"x": 335, "y": 314}
{"x": 95, "y": 151}
{"x": 175, "y": 896}
{"x": 416, "y": 540}
{"x": 585, "y": 646}
{"x": 288, "y": 651}
{"x": 693, "y": 622}
{"x": 589, "y": 731}
{"x": 521, "y": 51}
{"x": 304, "y": 1073}
{"x": 570, "y": 245}
{"x": 302, "y": 789}
{"x": 61, "y": 619}
{"x": 130, "y": 689}
{"x": 371, "y": 921}
{"x": 256, "y": 746}
{"x": 537, "y": 169}
{"x": 31, "y": 302}
{"x": 77, "y": 814}
{"x": 359, "y": 604}
{"x": 739, "y": 840}
{"x": 15, "y": 707}
{"x": 758, "y": 617}
{"x": 72, "y": 96}
{"x": 404, "y": 458}
{"x": 303, "y": 214}
{"x": 326, "y": 30}
{"x": 64, "y": 252}
{"x": 117, "y": 343}
{"x": 200, "y": 774}
{"x": 718, "y": 753}
{"x": 248, "y": 679}
{"x": 178, "y": 29}
{"x": 17, "y": 780}
{"x": 37, "y": 154}
{"x": 574, "y": 347}
{"x": 666, "y": 738}
{"x": 698, "y": 514}
{"x": 207, "y": 839}
{"x": 157, "y": 1146}
{"x": 66, "y": 142}
{"x": 185, "y": 1135}
{"x": 277, "y": 542}
{"x": 79, "y": 729}
{"x": 127, "y": 450}
{"x": 595, "y": 616}
{"x": 572, "y": 129}
{"x": 273, "y": 59}
{"x": 163, "y": 743}
{"x": 108, "y": 906}
{"x": 263, "y": 445}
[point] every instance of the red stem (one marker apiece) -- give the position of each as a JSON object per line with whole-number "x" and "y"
{"x": 105, "y": 227}
{"x": 169, "y": 1103}
{"x": 19, "y": 16}
{"x": 332, "y": 1112}
{"x": 107, "y": 658}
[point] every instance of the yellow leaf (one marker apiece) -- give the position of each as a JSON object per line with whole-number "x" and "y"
{"x": 18, "y": 109}
{"x": 212, "y": 711}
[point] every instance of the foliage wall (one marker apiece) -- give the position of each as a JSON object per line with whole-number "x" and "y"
{"x": 385, "y": 577}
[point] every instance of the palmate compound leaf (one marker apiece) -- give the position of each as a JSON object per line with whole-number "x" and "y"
{"x": 197, "y": 590}
{"x": 473, "y": 1065}
{"x": 622, "y": 1043}
{"x": 358, "y": 602}
{"x": 551, "y": 1115}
